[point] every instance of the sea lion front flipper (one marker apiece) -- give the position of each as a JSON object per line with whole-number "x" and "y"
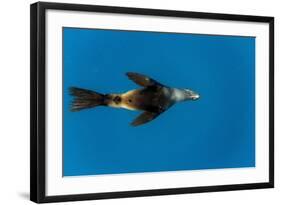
{"x": 144, "y": 118}
{"x": 142, "y": 80}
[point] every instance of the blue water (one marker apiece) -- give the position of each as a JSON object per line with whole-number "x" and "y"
{"x": 216, "y": 131}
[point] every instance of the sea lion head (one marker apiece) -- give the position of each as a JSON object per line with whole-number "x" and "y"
{"x": 179, "y": 95}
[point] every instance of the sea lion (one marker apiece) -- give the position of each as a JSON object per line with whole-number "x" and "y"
{"x": 153, "y": 98}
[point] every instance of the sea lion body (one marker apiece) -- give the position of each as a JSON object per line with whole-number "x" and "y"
{"x": 152, "y": 99}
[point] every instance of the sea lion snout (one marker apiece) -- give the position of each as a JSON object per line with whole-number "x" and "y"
{"x": 191, "y": 94}
{"x": 195, "y": 97}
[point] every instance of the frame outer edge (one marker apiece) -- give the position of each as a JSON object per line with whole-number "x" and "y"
{"x": 37, "y": 102}
{"x": 271, "y": 102}
{"x": 38, "y": 109}
{"x": 33, "y": 103}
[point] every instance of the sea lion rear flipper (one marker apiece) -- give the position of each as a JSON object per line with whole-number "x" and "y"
{"x": 144, "y": 118}
{"x": 142, "y": 80}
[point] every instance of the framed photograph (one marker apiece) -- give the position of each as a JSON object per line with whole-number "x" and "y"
{"x": 129, "y": 102}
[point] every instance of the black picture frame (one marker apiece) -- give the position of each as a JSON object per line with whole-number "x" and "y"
{"x": 38, "y": 101}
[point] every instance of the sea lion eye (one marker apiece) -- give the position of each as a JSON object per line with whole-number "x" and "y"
{"x": 130, "y": 100}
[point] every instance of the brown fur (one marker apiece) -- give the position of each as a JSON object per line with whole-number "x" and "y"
{"x": 147, "y": 99}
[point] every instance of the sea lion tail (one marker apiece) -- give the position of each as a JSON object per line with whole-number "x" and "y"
{"x": 84, "y": 98}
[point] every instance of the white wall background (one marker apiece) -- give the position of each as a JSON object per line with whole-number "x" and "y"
{"x": 14, "y": 100}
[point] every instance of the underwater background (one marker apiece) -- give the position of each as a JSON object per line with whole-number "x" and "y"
{"x": 216, "y": 131}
